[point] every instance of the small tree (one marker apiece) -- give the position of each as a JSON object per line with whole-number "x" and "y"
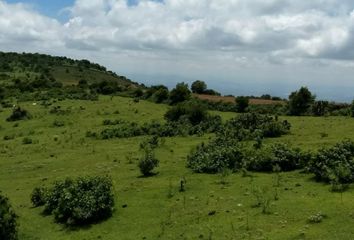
{"x": 148, "y": 162}
{"x": 198, "y": 87}
{"x": 300, "y": 101}
{"x": 180, "y": 93}
{"x": 8, "y": 225}
{"x": 161, "y": 95}
{"x": 242, "y": 104}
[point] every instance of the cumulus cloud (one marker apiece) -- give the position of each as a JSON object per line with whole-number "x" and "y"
{"x": 191, "y": 34}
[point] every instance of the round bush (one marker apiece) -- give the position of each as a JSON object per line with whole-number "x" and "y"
{"x": 81, "y": 201}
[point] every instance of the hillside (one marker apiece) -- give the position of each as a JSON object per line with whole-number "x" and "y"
{"x": 34, "y": 67}
{"x": 153, "y": 208}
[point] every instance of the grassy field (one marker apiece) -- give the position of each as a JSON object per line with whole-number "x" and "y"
{"x": 212, "y": 207}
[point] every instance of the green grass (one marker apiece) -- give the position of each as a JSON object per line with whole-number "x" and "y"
{"x": 58, "y": 152}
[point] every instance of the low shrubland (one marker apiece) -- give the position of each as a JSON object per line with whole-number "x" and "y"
{"x": 77, "y": 201}
{"x": 334, "y": 164}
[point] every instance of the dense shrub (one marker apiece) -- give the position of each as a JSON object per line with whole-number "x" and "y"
{"x": 214, "y": 157}
{"x": 193, "y": 111}
{"x": 18, "y": 114}
{"x": 8, "y": 224}
{"x": 148, "y": 162}
{"x": 280, "y": 155}
{"x": 78, "y": 201}
{"x": 251, "y": 125}
{"x": 220, "y": 154}
{"x": 38, "y": 196}
{"x": 334, "y": 163}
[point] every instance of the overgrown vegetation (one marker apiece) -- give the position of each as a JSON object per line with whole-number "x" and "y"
{"x": 8, "y": 220}
{"x": 78, "y": 201}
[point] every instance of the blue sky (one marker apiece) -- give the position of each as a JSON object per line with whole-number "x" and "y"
{"x": 246, "y": 47}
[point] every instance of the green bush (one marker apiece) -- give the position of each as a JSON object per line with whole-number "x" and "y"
{"x": 8, "y": 218}
{"x": 215, "y": 157}
{"x": 27, "y": 140}
{"x": 334, "y": 163}
{"x": 58, "y": 123}
{"x": 78, "y": 201}
{"x": 225, "y": 153}
{"x": 148, "y": 162}
{"x": 281, "y": 155}
{"x": 18, "y": 114}
{"x": 251, "y": 125}
{"x": 38, "y": 196}
{"x": 191, "y": 110}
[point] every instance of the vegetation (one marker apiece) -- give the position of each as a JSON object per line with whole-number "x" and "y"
{"x": 264, "y": 168}
{"x": 148, "y": 162}
{"x": 8, "y": 220}
{"x": 77, "y": 201}
{"x": 300, "y": 101}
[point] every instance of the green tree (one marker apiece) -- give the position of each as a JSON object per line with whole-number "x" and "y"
{"x": 198, "y": 87}
{"x": 300, "y": 101}
{"x": 161, "y": 95}
{"x": 180, "y": 93}
{"x": 242, "y": 104}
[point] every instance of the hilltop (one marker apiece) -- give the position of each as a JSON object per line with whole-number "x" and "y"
{"x": 38, "y": 69}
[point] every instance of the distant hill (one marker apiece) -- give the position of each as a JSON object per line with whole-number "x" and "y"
{"x": 33, "y": 67}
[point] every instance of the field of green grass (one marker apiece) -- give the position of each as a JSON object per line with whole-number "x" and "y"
{"x": 212, "y": 207}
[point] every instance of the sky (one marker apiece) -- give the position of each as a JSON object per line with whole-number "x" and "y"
{"x": 239, "y": 47}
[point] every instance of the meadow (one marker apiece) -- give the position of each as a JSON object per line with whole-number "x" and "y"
{"x": 219, "y": 206}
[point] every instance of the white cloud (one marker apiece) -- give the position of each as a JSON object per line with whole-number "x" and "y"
{"x": 232, "y": 34}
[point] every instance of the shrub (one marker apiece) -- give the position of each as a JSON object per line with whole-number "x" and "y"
{"x": 252, "y": 125}
{"x": 193, "y": 111}
{"x": 215, "y": 157}
{"x": 38, "y": 196}
{"x": 58, "y": 123}
{"x": 335, "y": 163}
{"x": 27, "y": 140}
{"x": 18, "y": 114}
{"x": 80, "y": 201}
{"x": 148, "y": 162}
{"x": 280, "y": 155}
{"x": 8, "y": 224}
{"x": 221, "y": 153}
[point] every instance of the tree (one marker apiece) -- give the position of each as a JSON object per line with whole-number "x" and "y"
{"x": 300, "y": 101}
{"x": 161, "y": 95}
{"x": 198, "y": 87}
{"x": 242, "y": 104}
{"x": 180, "y": 93}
